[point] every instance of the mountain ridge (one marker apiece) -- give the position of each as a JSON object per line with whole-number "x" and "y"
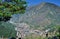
{"x": 42, "y": 15}
{"x": 43, "y": 3}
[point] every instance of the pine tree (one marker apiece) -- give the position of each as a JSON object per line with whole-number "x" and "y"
{"x": 10, "y": 7}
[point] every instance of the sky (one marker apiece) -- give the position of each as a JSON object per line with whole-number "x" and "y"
{"x": 35, "y": 2}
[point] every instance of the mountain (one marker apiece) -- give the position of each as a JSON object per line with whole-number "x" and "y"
{"x": 41, "y": 16}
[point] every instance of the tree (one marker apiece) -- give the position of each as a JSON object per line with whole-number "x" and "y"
{"x": 11, "y": 7}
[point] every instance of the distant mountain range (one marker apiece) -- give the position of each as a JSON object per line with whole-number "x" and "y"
{"x": 41, "y": 16}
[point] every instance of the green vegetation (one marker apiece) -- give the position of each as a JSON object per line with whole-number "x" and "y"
{"x": 7, "y": 30}
{"x": 7, "y": 9}
{"x": 11, "y": 7}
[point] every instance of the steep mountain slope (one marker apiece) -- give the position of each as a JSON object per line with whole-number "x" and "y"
{"x": 42, "y": 16}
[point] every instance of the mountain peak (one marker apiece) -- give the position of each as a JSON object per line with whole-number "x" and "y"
{"x": 43, "y": 4}
{"x": 44, "y": 15}
{"x": 46, "y": 3}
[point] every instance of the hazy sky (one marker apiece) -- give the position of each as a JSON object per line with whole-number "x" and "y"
{"x": 35, "y": 2}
